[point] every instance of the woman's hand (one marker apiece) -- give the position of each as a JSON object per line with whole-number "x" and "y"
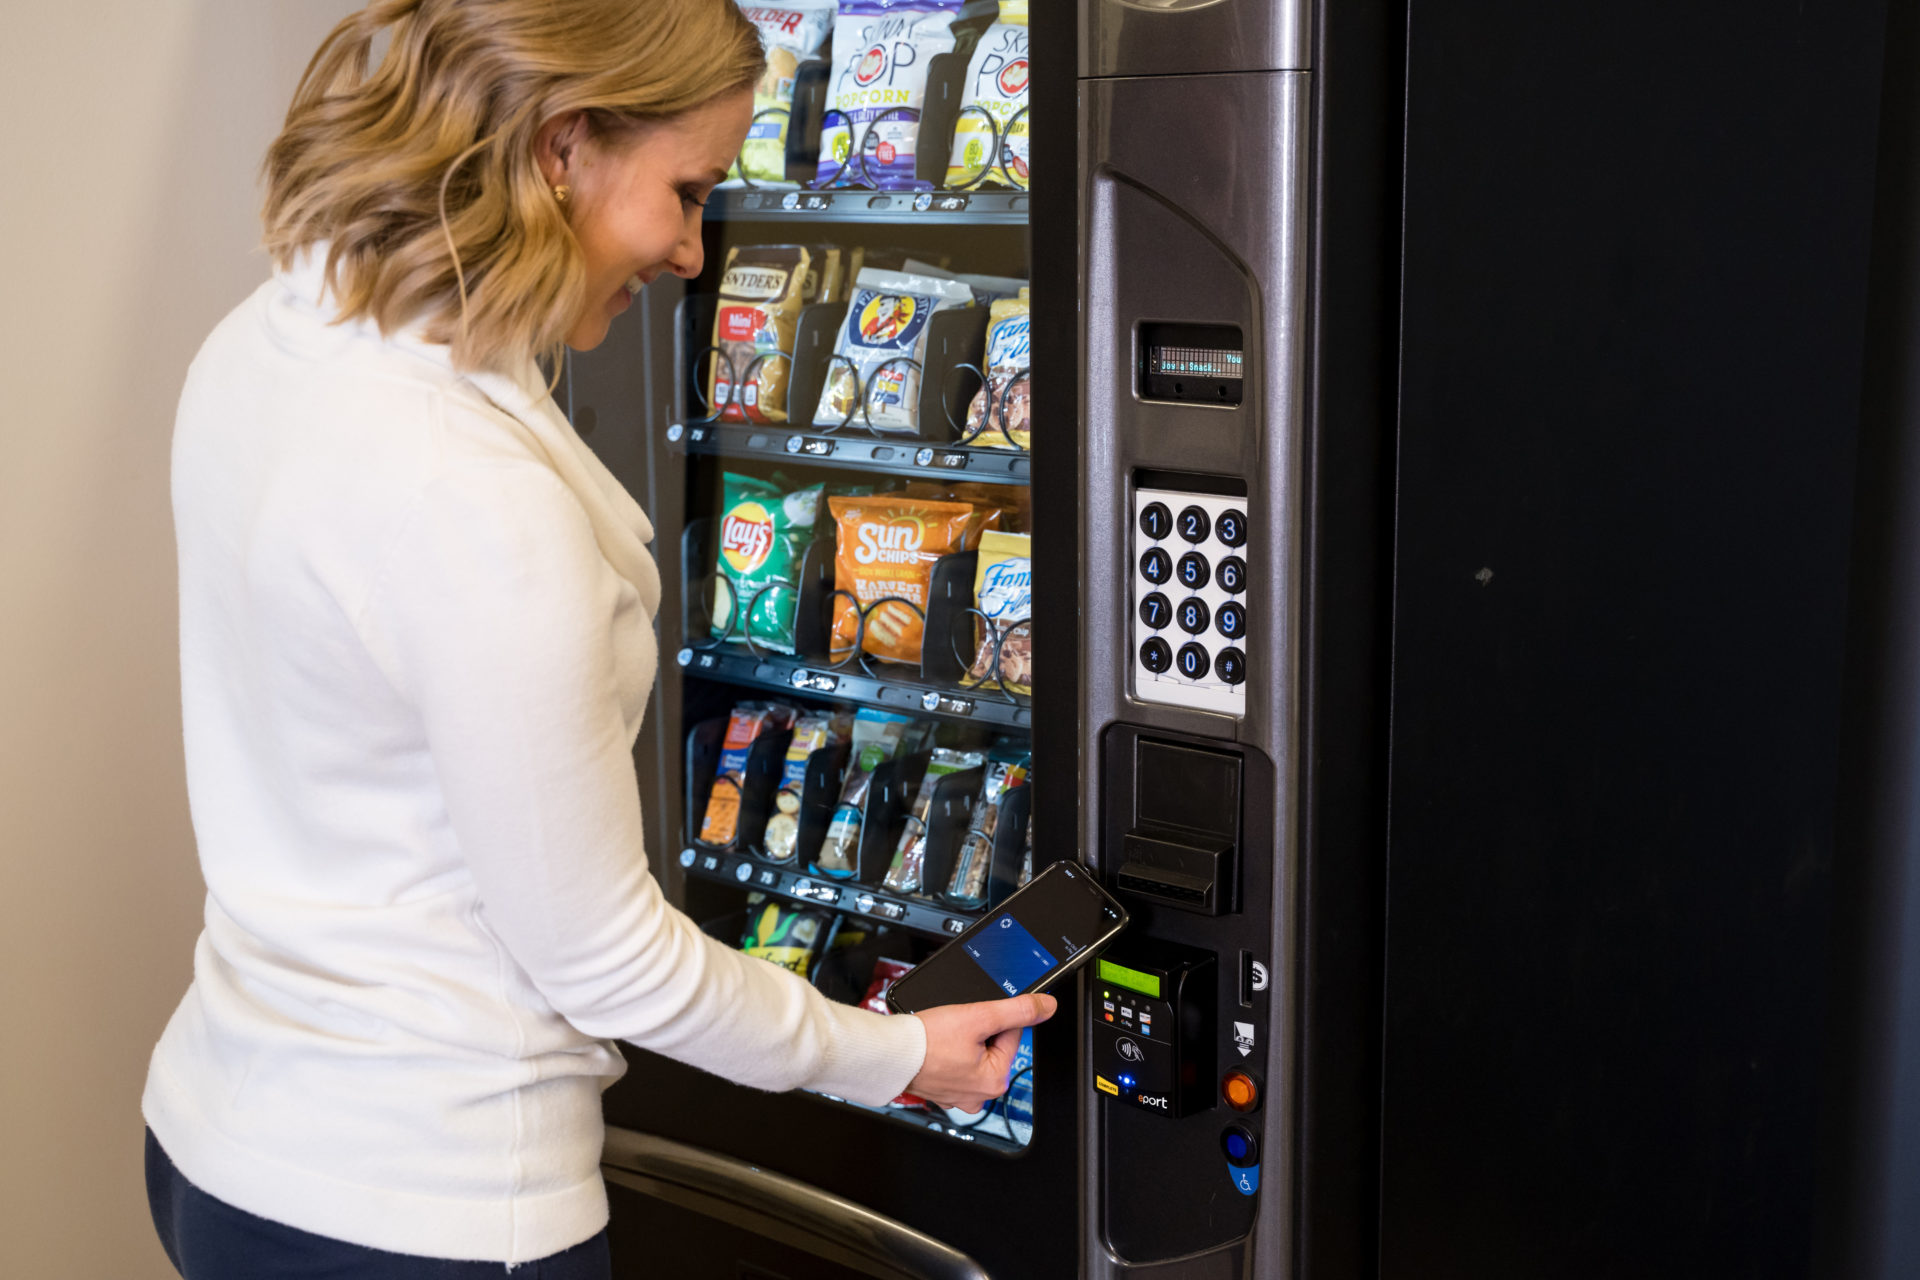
{"x": 970, "y": 1049}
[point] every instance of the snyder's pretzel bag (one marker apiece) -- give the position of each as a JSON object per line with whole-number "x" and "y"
{"x": 996, "y": 86}
{"x": 791, "y": 31}
{"x": 744, "y": 727}
{"x": 877, "y": 85}
{"x": 1003, "y": 591}
{"x": 761, "y": 293}
{"x": 764, "y": 531}
{"x": 886, "y": 552}
{"x": 886, "y": 326}
{"x": 1001, "y": 415}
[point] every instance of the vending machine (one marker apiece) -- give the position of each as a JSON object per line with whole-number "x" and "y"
{"x": 982, "y": 461}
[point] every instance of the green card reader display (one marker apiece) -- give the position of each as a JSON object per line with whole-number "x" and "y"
{"x": 1153, "y": 1030}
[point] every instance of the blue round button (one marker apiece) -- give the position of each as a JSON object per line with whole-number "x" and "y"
{"x": 1236, "y": 1146}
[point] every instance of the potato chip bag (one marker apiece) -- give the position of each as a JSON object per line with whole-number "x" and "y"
{"x": 791, "y": 31}
{"x": 764, "y": 532}
{"x": 787, "y": 936}
{"x": 886, "y": 552}
{"x": 996, "y": 84}
{"x": 761, "y": 293}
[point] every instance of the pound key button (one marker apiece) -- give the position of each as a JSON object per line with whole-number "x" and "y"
{"x": 1156, "y": 655}
{"x": 1231, "y": 665}
{"x": 1156, "y": 566}
{"x": 1156, "y": 521}
{"x": 1194, "y": 662}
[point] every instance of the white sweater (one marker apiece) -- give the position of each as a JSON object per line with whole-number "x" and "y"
{"x": 416, "y": 642}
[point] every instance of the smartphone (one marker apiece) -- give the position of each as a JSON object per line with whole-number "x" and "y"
{"x": 1057, "y": 923}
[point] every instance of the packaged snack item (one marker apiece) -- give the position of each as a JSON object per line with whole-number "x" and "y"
{"x": 764, "y": 531}
{"x": 886, "y": 972}
{"x": 787, "y": 936}
{"x": 887, "y": 319}
{"x": 1026, "y": 860}
{"x": 877, "y": 736}
{"x": 761, "y": 293}
{"x": 811, "y": 732}
{"x": 988, "y": 290}
{"x": 1003, "y": 590}
{"x": 791, "y": 31}
{"x": 909, "y": 859}
{"x": 1006, "y": 769}
{"x": 886, "y": 551}
{"x": 1001, "y": 414}
{"x": 882, "y": 50}
{"x": 824, "y": 280}
{"x": 996, "y": 84}
{"x": 744, "y": 727}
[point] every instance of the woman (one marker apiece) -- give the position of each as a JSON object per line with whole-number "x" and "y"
{"x": 416, "y": 645}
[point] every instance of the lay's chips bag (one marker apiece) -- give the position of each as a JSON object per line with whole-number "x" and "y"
{"x": 764, "y": 532}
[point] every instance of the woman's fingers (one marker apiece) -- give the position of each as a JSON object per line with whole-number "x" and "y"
{"x": 970, "y": 1048}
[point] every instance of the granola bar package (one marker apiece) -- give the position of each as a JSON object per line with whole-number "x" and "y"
{"x": 744, "y": 727}
{"x": 877, "y": 738}
{"x": 1001, "y": 415}
{"x": 1003, "y": 591}
{"x": 996, "y": 87}
{"x": 906, "y": 873}
{"x": 887, "y": 548}
{"x": 764, "y": 532}
{"x": 814, "y": 731}
{"x": 761, "y": 293}
{"x": 877, "y": 89}
{"x": 973, "y": 864}
{"x": 886, "y": 326}
{"x": 791, "y": 31}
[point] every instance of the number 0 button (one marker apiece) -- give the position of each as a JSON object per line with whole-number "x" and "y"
{"x": 1232, "y": 528}
{"x": 1194, "y": 662}
{"x": 1156, "y": 566}
{"x": 1194, "y": 571}
{"x": 1232, "y": 666}
{"x": 1195, "y": 524}
{"x": 1231, "y": 620}
{"x": 1156, "y": 521}
{"x": 1156, "y": 655}
{"x": 1232, "y": 575}
{"x": 1156, "y": 612}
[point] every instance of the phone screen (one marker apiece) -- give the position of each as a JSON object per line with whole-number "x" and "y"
{"x": 1052, "y": 925}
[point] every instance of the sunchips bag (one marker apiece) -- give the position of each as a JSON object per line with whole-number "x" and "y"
{"x": 761, "y": 293}
{"x": 996, "y": 84}
{"x": 1002, "y": 410}
{"x": 1003, "y": 591}
{"x": 764, "y": 532}
{"x": 887, "y": 318}
{"x": 882, "y": 50}
{"x": 887, "y": 546}
{"x": 791, "y": 31}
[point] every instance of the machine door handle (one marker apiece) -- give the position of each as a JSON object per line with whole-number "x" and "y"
{"x": 780, "y": 1208}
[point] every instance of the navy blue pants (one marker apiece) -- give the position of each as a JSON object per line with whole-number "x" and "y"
{"x": 209, "y": 1239}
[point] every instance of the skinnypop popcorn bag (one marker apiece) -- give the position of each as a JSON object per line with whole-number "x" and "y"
{"x": 997, "y": 80}
{"x": 882, "y": 50}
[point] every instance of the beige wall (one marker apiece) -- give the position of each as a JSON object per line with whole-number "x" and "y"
{"x": 134, "y": 130}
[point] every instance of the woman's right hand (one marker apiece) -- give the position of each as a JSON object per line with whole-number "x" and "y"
{"x": 970, "y": 1049}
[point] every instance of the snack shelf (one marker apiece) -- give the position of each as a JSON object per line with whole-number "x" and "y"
{"x": 902, "y": 455}
{"x": 850, "y": 204}
{"x": 735, "y": 664}
{"x": 797, "y": 884}
{"x": 977, "y": 1135}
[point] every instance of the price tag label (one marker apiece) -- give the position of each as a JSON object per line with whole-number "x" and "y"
{"x": 808, "y": 201}
{"x": 814, "y": 681}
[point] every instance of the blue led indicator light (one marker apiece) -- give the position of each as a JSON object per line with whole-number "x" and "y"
{"x": 1236, "y": 1146}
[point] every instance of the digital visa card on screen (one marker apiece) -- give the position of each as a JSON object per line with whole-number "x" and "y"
{"x": 1011, "y": 956}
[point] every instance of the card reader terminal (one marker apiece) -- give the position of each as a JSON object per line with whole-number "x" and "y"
{"x": 1153, "y": 1016}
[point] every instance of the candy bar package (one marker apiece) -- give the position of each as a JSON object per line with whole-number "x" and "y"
{"x": 887, "y": 319}
{"x": 1006, "y": 769}
{"x": 1001, "y": 415}
{"x": 877, "y": 88}
{"x": 877, "y": 738}
{"x": 886, "y": 972}
{"x": 814, "y": 731}
{"x": 996, "y": 86}
{"x": 909, "y": 859}
{"x": 764, "y": 532}
{"x": 887, "y": 546}
{"x": 744, "y": 727}
{"x": 761, "y": 293}
{"x": 791, "y": 31}
{"x": 787, "y": 936}
{"x": 1003, "y": 591}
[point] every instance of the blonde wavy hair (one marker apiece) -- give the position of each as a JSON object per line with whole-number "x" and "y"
{"x": 421, "y": 176}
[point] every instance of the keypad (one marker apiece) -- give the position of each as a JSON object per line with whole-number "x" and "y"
{"x": 1191, "y": 615}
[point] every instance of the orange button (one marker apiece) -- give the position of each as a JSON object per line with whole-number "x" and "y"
{"x": 1241, "y": 1093}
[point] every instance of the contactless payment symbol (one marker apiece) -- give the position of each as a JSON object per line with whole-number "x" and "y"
{"x": 1243, "y": 1037}
{"x": 1130, "y": 1051}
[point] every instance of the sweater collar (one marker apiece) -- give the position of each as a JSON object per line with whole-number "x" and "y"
{"x": 619, "y": 526}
